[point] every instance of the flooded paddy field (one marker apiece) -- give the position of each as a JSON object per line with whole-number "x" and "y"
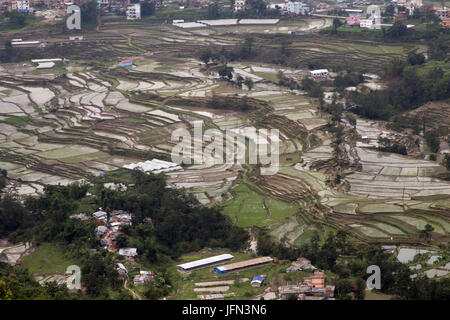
{"x": 93, "y": 117}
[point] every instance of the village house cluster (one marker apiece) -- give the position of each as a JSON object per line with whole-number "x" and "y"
{"x": 313, "y": 287}
{"x": 108, "y": 228}
{"x": 142, "y": 278}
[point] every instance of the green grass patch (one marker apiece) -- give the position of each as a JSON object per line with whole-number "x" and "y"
{"x": 17, "y": 121}
{"x": 135, "y": 120}
{"x": 48, "y": 259}
{"x": 154, "y": 31}
{"x": 249, "y": 208}
{"x": 120, "y": 175}
{"x": 268, "y": 76}
{"x": 163, "y": 69}
{"x": 432, "y": 197}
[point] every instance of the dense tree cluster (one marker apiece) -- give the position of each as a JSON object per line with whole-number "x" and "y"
{"x": 89, "y": 13}
{"x": 179, "y": 222}
{"x": 17, "y": 284}
{"x": 313, "y": 88}
{"x": 386, "y": 145}
{"x": 407, "y": 90}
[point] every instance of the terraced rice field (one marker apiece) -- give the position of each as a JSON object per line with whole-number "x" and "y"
{"x": 92, "y": 117}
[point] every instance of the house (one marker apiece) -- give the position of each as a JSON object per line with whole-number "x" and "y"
{"x": 303, "y": 263}
{"x": 350, "y": 11}
{"x": 26, "y": 43}
{"x": 293, "y": 268}
{"x": 297, "y": 8}
{"x": 134, "y": 11}
{"x": 100, "y": 215}
{"x": 80, "y": 216}
{"x": 303, "y": 296}
{"x": 243, "y": 265}
{"x": 204, "y": 263}
{"x": 441, "y": 12}
{"x": 21, "y": 5}
{"x": 239, "y": 5}
{"x": 100, "y": 231}
{"x": 445, "y": 22}
{"x": 257, "y": 281}
{"x": 76, "y": 38}
{"x": 367, "y": 23}
{"x": 214, "y": 296}
{"x": 126, "y": 63}
{"x": 123, "y": 272}
{"x": 286, "y": 291}
{"x": 353, "y": 21}
{"x": 316, "y": 280}
{"x": 389, "y": 249}
{"x": 141, "y": 279}
{"x": 128, "y": 252}
{"x": 319, "y": 74}
{"x": 147, "y": 273}
{"x": 45, "y": 65}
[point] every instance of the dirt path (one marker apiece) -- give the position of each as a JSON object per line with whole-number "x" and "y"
{"x": 133, "y": 293}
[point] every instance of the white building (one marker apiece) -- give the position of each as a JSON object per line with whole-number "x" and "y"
{"x": 297, "y": 8}
{"x": 319, "y": 73}
{"x": 100, "y": 215}
{"x": 128, "y": 252}
{"x": 21, "y": 5}
{"x": 374, "y": 20}
{"x": 45, "y": 65}
{"x": 367, "y": 23}
{"x": 239, "y": 5}
{"x": 134, "y": 11}
{"x": 155, "y": 166}
{"x": 101, "y": 230}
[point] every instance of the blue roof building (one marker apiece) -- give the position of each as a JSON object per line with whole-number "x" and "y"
{"x": 257, "y": 281}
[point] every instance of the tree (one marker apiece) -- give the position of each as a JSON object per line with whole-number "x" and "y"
{"x": 239, "y": 81}
{"x": 147, "y": 8}
{"x": 416, "y": 58}
{"x": 89, "y": 12}
{"x": 249, "y": 83}
{"x": 121, "y": 241}
{"x": 390, "y": 10}
{"x": 343, "y": 288}
{"x": 397, "y": 30}
{"x": 432, "y": 139}
{"x": 426, "y": 232}
{"x": 205, "y": 56}
{"x": 336, "y": 24}
{"x": 246, "y": 49}
{"x": 226, "y": 72}
{"x": 16, "y": 18}
{"x": 446, "y": 161}
{"x": 360, "y": 289}
{"x": 213, "y": 11}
